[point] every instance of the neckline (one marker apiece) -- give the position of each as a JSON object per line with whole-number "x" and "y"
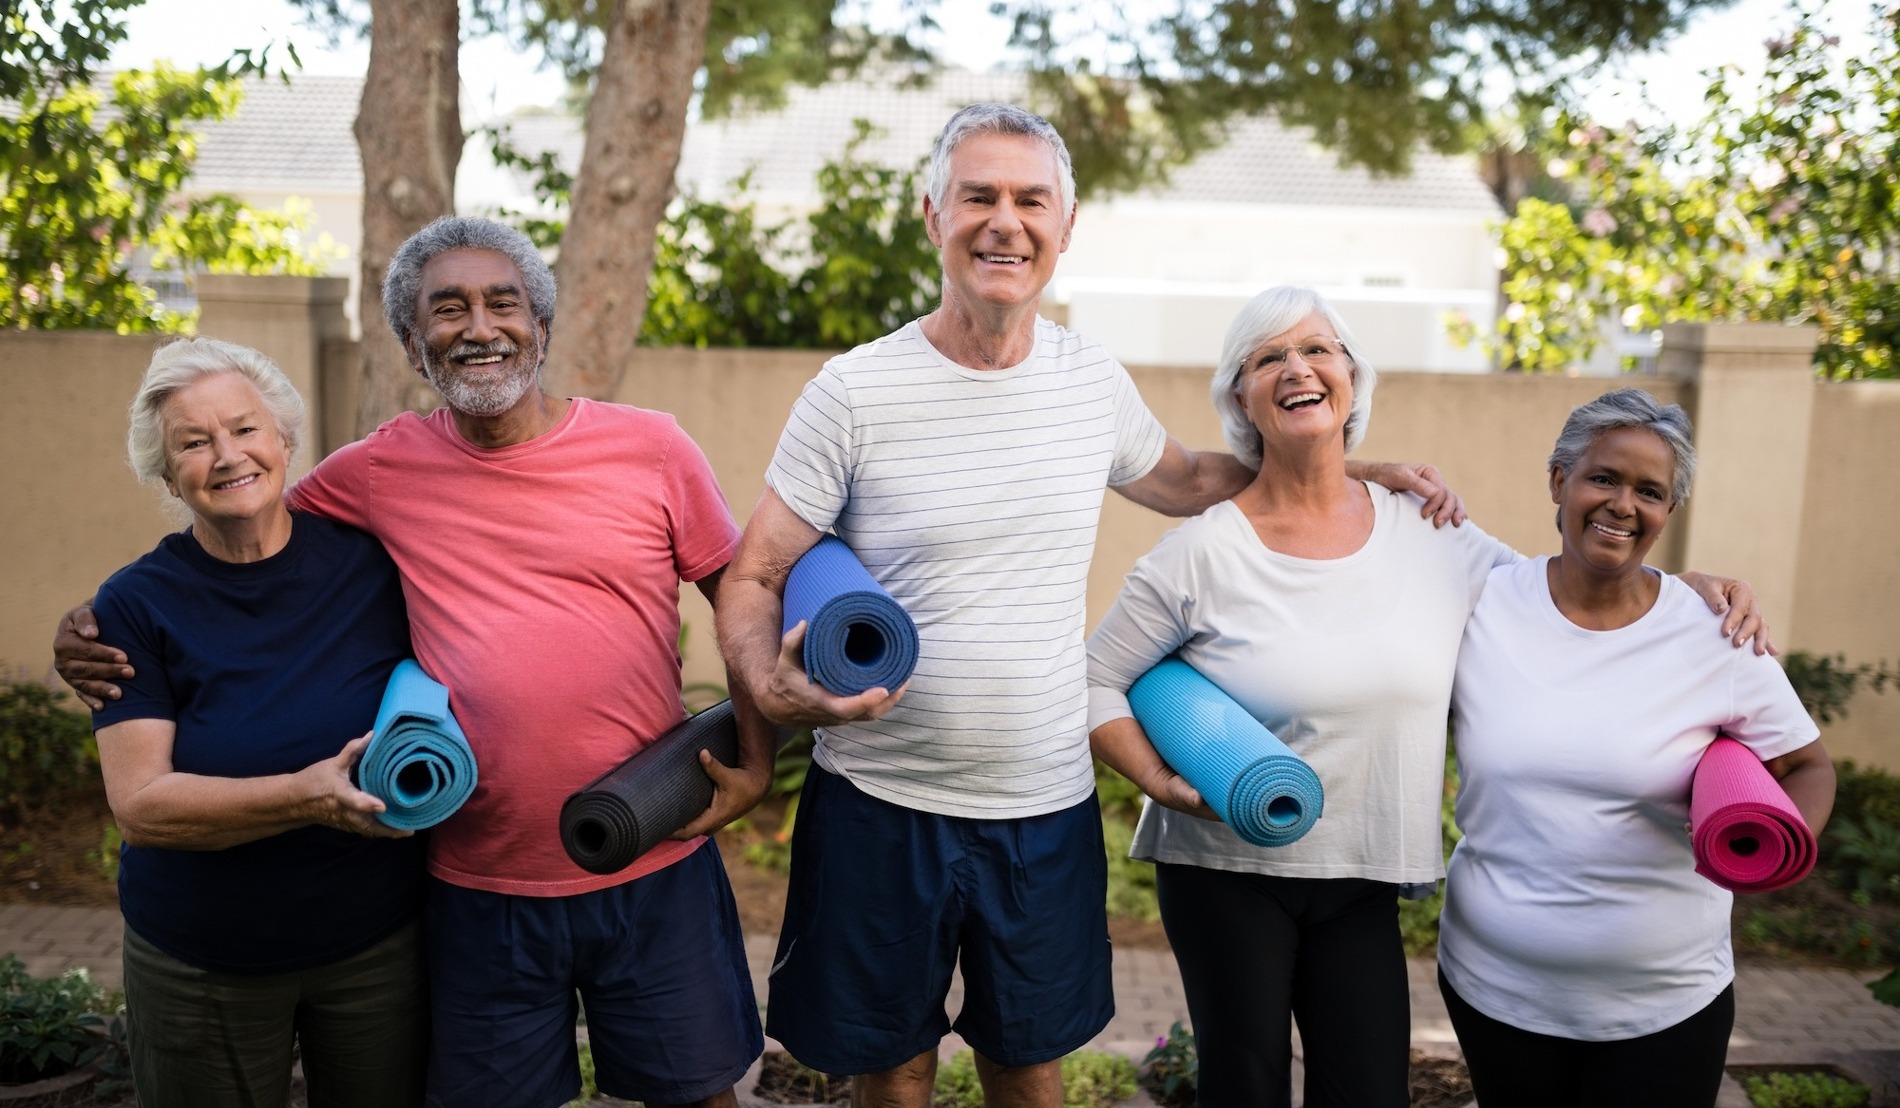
{"x": 1547, "y": 603}
{"x": 1382, "y": 517}
{"x": 446, "y": 426}
{"x": 969, "y": 374}
{"x": 194, "y": 554}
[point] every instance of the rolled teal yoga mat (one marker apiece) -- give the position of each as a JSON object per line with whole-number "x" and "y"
{"x": 1246, "y": 774}
{"x": 856, "y": 636}
{"x": 418, "y": 761}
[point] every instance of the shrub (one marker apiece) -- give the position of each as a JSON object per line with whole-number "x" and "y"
{"x": 1825, "y": 682}
{"x": 1131, "y": 882}
{"x": 46, "y": 752}
{"x": 1090, "y": 1079}
{"x": 1805, "y": 1090}
{"x": 47, "y": 1027}
{"x": 1866, "y": 857}
{"x": 1172, "y": 1070}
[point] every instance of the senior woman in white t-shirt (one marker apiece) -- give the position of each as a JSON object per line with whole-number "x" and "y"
{"x": 1578, "y": 944}
{"x": 1332, "y": 612}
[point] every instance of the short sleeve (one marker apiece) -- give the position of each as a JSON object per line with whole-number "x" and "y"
{"x": 811, "y": 469}
{"x": 1148, "y": 622}
{"x": 129, "y": 624}
{"x": 1765, "y": 714}
{"x": 338, "y": 488}
{"x": 1139, "y": 436}
{"x": 704, "y": 535}
{"x": 1482, "y": 554}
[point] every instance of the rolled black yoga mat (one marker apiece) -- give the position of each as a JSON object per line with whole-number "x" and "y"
{"x": 633, "y": 807}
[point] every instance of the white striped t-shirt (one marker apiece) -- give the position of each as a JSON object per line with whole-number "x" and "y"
{"x": 973, "y": 497}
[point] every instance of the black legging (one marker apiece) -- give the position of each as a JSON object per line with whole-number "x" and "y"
{"x": 1677, "y": 1067}
{"x": 1256, "y": 952}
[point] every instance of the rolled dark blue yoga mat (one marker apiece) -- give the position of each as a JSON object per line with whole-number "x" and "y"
{"x": 856, "y": 636}
{"x": 635, "y": 806}
{"x": 418, "y": 761}
{"x": 1246, "y": 774}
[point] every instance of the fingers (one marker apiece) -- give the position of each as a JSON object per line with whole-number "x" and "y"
{"x": 95, "y": 694}
{"x": 736, "y": 790}
{"x": 353, "y": 750}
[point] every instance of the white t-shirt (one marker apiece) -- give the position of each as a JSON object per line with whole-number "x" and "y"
{"x": 1572, "y": 906}
{"x": 1348, "y": 660}
{"x": 973, "y": 497}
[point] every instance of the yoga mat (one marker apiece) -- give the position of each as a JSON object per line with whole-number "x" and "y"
{"x": 856, "y": 636}
{"x": 633, "y": 807}
{"x": 1246, "y": 774}
{"x": 418, "y": 761}
{"x": 1747, "y": 835}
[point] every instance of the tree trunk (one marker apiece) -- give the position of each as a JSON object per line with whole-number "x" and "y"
{"x": 635, "y": 125}
{"x": 409, "y": 133}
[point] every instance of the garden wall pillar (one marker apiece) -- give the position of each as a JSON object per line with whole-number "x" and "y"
{"x": 288, "y": 318}
{"x": 1753, "y": 405}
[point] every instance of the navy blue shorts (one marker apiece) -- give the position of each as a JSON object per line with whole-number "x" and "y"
{"x": 883, "y": 902}
{"x": 659, "y": 964}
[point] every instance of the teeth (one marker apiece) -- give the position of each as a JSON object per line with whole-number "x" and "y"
{"x": 224, "y": 486}
{"x": 487, "y": 359}
{"x": 1300, "y": 399}
{"x": 1003, "y": 259}
{"x": 1612, "y": 531}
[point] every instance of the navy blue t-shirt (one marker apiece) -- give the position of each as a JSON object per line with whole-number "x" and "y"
{"x": 265, "y": 667}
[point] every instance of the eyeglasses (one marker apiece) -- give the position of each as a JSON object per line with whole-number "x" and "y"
{"x": 1317, "y": 353}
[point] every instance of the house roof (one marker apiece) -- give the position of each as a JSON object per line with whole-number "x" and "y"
{"x": 291, "y": 137}
{"x": 299, "y": 136}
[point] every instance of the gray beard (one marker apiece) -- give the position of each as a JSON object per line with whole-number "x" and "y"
{"x": 488, "y": 396}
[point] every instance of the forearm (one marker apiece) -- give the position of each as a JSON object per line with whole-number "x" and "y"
{"x": 758, "y": 736}
{"x": 1811, "y": 786}
{"x": 188, "y": 811}
{"x": 1123, "y": 746}
{"x": 746, "y": 622}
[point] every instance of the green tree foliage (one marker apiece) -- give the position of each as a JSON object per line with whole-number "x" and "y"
{"x": 1374, "y": 79}
{"x": 857, "y": 266}
{"x": 87, "y": 173}
{"x": 1782, "y": 203}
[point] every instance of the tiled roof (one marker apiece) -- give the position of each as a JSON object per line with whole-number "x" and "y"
{"x": 295, "y": 136}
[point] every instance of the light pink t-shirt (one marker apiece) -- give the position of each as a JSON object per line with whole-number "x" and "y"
{"x": 543, "y": 588}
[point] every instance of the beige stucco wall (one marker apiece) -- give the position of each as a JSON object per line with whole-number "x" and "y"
{"x": 74, "y": 514}
{"x": 1847, "y": 587}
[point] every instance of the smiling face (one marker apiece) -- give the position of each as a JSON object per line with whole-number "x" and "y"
{"x": 1002, "y": 226}
{"x": 478, "y": 342}
{"x": 224, "y": 456}
{"x": 1297, "y": 385}
{"x": 1612, "y": 506}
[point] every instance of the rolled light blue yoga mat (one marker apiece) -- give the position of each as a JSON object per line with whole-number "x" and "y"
{"x": 856, "y": 637}
{"x": 418, "y": 761}
{"x": 1246, "y": 774}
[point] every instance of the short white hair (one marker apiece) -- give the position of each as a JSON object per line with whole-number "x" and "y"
{"x": 179, "y": 365}
{"x": 1271, "y": 313}
{"x": 996, "y": 119}
{"x": 1629, "y": 407}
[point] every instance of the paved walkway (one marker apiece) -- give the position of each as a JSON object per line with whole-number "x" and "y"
{"x": 1782, "y": 1014}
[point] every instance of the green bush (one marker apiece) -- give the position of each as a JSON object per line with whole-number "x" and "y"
{"x": 46, "y": 752}
{"x": 1805, "y": 1090}
{"x": 1172, "y": 1070}
{"x": 1090, "y": 1079}
{"x": 1825, "y": 682}
{"x": 48, "y": 1027}
{"x": 1863, "y": 794}
{"x": 1866, "y": 857}
{"x": 1131, "y": 883}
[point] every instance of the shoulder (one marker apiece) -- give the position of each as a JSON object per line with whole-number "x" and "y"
{"x": 898, "y": 349}
{"x": 132, "y": 579}
{"x": 1074, "y": 350}
{"x": 1194, "y": 540}
{"x": 625, "y": 418}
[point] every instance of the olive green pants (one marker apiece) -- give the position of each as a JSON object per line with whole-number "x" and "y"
{"x": 201, "y": 1039}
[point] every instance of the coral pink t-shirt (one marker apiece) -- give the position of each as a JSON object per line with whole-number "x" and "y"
{"x": 543, "y": 588}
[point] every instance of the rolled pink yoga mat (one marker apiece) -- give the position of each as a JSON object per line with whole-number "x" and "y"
{"x": 1748, "y": 836}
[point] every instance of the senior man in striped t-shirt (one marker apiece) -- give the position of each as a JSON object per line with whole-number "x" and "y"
{"x": 963, "y": 459}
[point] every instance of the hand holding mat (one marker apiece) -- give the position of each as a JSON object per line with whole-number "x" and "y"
{"x": 1246, "y": 774}
{"x": 418, "y": 761}
{"x": 636, "y": 805}
{"x": 1747, "y": 835}
{"x": 856, "y": 636}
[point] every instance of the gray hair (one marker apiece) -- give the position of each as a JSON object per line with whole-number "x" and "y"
{"x": 995, "y": 119}
{"x": 402, "y": 281}
{"x": 1628, "y": 407}
{"x": 181, "y": 364}
{"x": 1269, "y": 314}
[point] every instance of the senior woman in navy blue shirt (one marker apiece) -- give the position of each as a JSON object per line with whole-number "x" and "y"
{"x": 265, "y": 904}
